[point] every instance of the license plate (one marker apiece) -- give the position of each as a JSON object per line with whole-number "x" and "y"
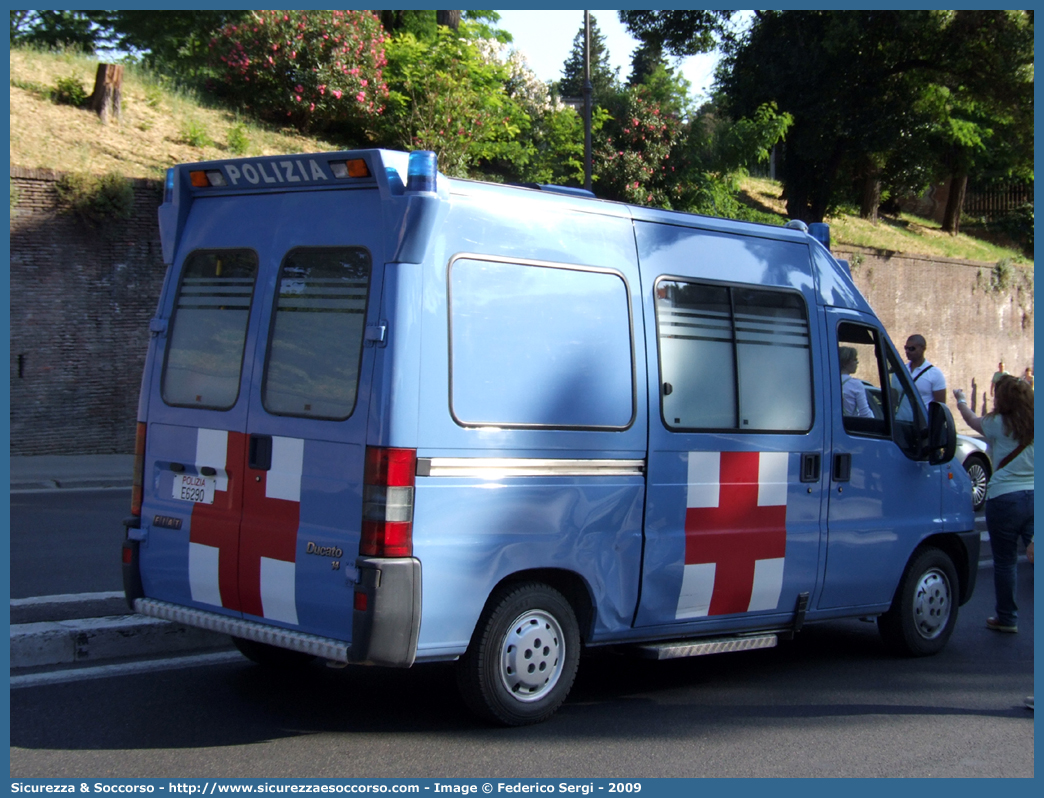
{"x": 197, "y": 489}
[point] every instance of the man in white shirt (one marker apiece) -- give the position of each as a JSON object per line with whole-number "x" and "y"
{"x": 928, "y": 379}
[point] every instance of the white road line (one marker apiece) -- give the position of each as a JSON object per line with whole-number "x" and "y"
{"x": 124, "y": 669}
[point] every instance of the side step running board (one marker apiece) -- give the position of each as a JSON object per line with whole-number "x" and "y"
{"x": 699, "y": 648}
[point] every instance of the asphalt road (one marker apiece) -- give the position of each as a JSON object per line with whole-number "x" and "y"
{"x": 67, "y": 541}
{"x": 831, "y": 703}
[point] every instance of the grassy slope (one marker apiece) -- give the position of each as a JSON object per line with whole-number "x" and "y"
{"x": 161, "y": 127}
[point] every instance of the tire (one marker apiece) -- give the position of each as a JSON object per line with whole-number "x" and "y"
{"x": 271, "y": 656}
{"x": 924, "y": 609}
{"x": 979, "y": 473}
{"x": 523, "y": 656}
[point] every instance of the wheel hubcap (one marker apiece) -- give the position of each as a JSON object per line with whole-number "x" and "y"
{"x": 931, "y": 606}
{"x": 532, "y": 655}
{"x": 977, "y": 474}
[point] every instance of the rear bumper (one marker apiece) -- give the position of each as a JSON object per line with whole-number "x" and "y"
{"x": 385, "y": 626}
{"x": 387, "y": 615}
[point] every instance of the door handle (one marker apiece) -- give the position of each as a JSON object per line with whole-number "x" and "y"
{"x": 842, "y": 467}
{"x": 260, "y": 452}
{"x": 810, "y": 467}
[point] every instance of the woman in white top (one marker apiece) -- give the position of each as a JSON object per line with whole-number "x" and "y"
{"x": 1009, "y": 497}
{"x": 853, "y": 392}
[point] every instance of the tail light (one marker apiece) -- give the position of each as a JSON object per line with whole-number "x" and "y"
{"x": 387, "y": 522}
{"x": 139, "y": 469}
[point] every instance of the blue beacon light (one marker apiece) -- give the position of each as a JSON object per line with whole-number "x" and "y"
{"x": 421, "y": 171}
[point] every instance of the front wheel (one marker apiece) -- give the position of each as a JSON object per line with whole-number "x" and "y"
{"x": 523, "y": 656}
{"x": 924, "y": 609}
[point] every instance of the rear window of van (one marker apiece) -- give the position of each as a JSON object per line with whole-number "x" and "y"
{"x": 208, "y": 329}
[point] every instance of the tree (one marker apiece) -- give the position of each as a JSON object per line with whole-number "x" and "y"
{"x": 605, "y": 80}
{"x": 175, "y": 41}
{"x": 679, "y": 32}
{"x": 868, "y": 88}
{"x": 82, "y": 29}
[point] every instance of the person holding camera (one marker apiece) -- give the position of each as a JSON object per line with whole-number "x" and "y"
{"x": 1009, "y": 496}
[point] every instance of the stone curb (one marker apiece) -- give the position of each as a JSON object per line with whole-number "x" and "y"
{"x": 106, "y": 638}
{"x": 68, "y": 607}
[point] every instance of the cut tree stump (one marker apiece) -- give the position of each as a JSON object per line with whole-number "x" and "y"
{"x": 108, "y": 90}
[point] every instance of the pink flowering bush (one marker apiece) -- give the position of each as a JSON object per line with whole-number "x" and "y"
{"x": 633, "y": 160}
{"x": 309, "y": 69}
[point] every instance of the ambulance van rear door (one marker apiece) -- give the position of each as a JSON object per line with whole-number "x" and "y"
{"x": 259, "y": 397}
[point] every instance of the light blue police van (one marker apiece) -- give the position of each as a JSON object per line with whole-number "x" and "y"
{"x": 388, "y": 417}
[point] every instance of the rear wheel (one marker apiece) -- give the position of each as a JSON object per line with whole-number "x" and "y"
{"x": 523, "y": 656}
{"x": 924, "y": 610}
{"x": 979, "y": 474}
{"x": 271, "y": 656}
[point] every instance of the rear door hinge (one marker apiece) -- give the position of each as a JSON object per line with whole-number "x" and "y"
{"x": 158, "y": 327}
{"x": 376, "y": 334}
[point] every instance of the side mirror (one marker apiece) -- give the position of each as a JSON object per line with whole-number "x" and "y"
{"x": 942, "y": 434}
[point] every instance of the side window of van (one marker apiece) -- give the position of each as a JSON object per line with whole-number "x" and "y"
{"x": 208, "y": 329}
{"x": 733, "y": 357}
{"x": 867, "y": 365}
{"x": 865, "y": 408}
{"x": 316, "y": 342}
{"x": 539, "y": 346}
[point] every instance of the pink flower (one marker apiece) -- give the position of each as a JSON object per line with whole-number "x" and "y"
{"x": 360, "y": 97}
{"x": 299, "y": 88}
{"x": 311, "y": 107}
{"x": 336, "y": 93}
{"x": 298, "y": 97}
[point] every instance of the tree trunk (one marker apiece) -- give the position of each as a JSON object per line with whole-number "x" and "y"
{"x": 450, "y": 19}
{"x": 108, "y": 92}
{"x": 955, "y": 203}
{"x": 871, "y": 197}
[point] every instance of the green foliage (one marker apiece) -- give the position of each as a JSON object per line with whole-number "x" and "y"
{"x": 174, "y": 42}
{"x": 685, "y": 32}
{"x": 55, "y": 30}
{"x": 32, "y": 86}
{"x": 97, "y": 200}
{"x": 69, "y": 91}
{"x": 895, "y": 99}
{"x": 153, "y": 95}
{"x": 1018, "y": 226}
{"x": 315, "y": 70}
{"x": 238, "y": 141}
{"x": 194, "y": 133}
{"x": 447, "y": 96}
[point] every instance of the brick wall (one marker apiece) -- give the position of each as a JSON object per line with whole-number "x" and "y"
{"x": 81, "y": 303}
{"x": 80, "y": 308}
{"x": 970, "y": 323}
